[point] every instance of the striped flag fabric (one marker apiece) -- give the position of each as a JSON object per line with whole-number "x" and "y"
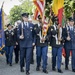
{"x": 36, "y": 14}
{"x": 40, "y": 5}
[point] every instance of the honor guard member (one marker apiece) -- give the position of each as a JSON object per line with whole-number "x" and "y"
{"x": 27, "y": 41}
{"x": 70, "y": 44}
{"x": 38, "y": 57}
{"x": 9, "y": 43}
{"x": 41, "y": 46}
{"x": 56, "y": 43}
{"x": 16, "y": 48}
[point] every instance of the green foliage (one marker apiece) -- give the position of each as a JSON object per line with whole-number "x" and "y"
{"x": 47, "y": 10}
{"x": 16, "y": 11}
{"x": 27, "y": 6}
{"x": 69, "y": 7}
{"x": 15, "y": 14}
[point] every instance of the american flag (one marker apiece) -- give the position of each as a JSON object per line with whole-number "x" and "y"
{"x": 40, "y": 5}
{"x": 40, "y": 10}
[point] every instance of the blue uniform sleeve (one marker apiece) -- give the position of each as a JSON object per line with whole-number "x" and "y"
{"x": 34, "y": 36}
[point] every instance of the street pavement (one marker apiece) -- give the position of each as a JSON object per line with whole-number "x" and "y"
{"x": 15, "y": 69}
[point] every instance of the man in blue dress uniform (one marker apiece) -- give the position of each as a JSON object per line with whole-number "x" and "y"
{"x": 70, "y": 44}
{"x": 27, "y": 41}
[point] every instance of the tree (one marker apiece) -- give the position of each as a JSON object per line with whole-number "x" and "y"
{"x": 69, "y": 7}
{"x": 27, "y": 6}
{"x": 48, "y": 1}
{"x": 15, "y": 14}
{"x": 16, "y": 11}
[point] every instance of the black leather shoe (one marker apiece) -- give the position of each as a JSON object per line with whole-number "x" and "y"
{"x": 22, "y": 70}
{"x": 16, "y": 62}
{"x": 7, "y": 62}
{"x": 32, "y": 63}
{"x": 54, "y": 69}
{"x": 60, "y": 71}
{"x": 66, "y": 68}
{"x": 73, "y": 70}
{"x": 37, "y": 68}
{"x": 27, "y": 73}
{"x": 10, "y": 64}
{"x": 45, "y": 71}
{"x": 62, "y": 63}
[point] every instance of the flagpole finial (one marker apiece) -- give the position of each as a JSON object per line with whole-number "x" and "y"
{"x": 2, "y": 4}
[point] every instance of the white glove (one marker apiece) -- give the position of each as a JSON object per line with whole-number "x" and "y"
{"x": 68, "y": 38}
{"x": 33, "y": 44}
{"x": 21, "y": 37}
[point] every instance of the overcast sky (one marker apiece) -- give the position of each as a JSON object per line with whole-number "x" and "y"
{"x": 8, "y": 4}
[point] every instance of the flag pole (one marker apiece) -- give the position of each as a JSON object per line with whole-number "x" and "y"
{"x": 44, "y": 11}
{"x": 2, "y": 31}
{"x": 2, "y": 4}
{"x": 2, "y": 14}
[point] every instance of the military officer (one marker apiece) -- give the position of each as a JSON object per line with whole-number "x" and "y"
{"x": 70, "y": 44}
{"x": 16, "y": 48}
{"x": 41, "y": 46}
{"x": 38, "y": 57}
{"x": 57, "y": 45}
{"x": 9, "y": 43}
{"x": 27, "y": 41}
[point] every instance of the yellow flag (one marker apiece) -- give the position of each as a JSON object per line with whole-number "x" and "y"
{"x": 56, "y": 5}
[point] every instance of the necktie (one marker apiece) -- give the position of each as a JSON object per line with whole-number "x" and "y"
{"x": 71, "y": 29}
{"x": 67, "y": 27}
{"x": 26, "y": 25}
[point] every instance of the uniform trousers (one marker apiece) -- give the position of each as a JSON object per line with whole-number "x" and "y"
{"x": 9, "y": 53}
{"x": 56, "y": 53}
{"x": 41, "y": 52}
{"x": 67, "y": 52}
{"x": 73, "y": 59}
{"x": 25, "y": 53}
